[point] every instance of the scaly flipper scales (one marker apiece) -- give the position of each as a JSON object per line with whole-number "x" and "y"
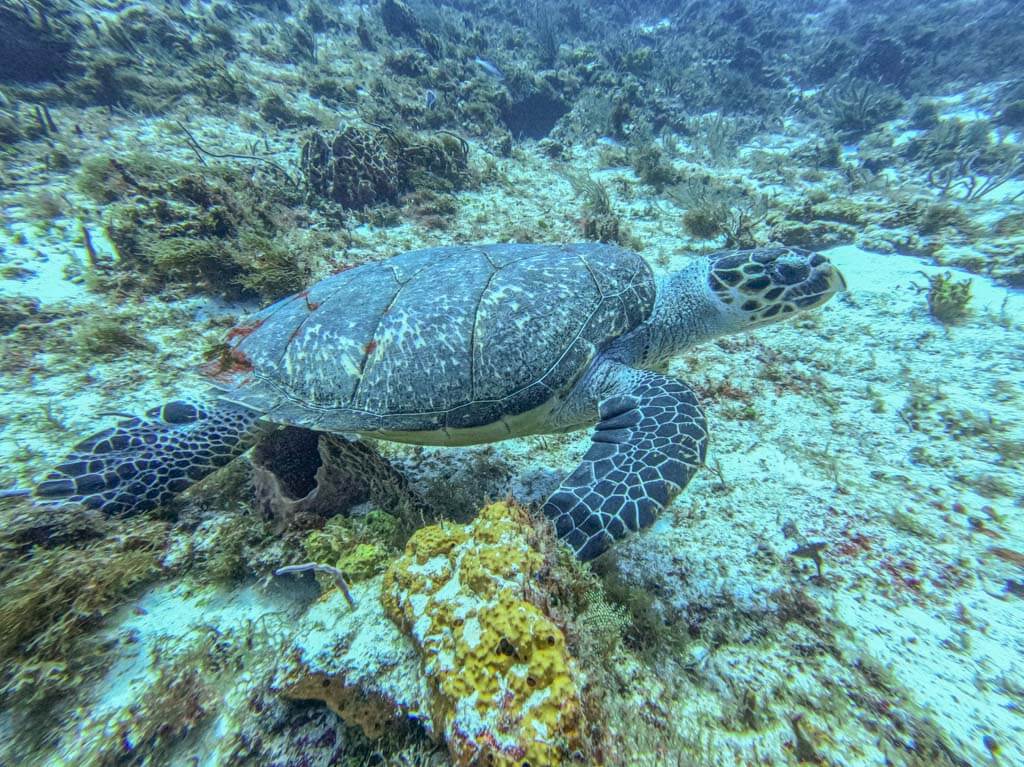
{"x": 650, "y": 441}
{"x": 143, "y": 462}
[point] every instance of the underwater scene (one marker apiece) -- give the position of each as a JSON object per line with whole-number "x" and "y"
{"x": 497, "y": 383}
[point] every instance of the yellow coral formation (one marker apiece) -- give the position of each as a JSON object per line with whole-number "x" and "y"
{"x": 504, "y": 692}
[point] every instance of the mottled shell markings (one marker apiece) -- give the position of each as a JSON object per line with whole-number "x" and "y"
{"x": 445, "y": 338}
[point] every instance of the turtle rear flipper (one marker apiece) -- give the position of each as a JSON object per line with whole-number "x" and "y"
{"x": 143, "y": 462}
{"x": 650, "y": 441}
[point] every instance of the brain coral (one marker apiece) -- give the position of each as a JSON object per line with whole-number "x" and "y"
{"x": 357, "y": 168}
{"x": 502, "y": 680}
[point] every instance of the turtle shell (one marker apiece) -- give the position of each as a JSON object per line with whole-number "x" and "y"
{"x": 448, "y": 345}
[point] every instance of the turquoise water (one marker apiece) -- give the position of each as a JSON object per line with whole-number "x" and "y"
{"x": 490, "y": 383}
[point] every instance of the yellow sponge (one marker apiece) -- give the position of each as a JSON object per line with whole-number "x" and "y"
{"x": 503, "y": 687}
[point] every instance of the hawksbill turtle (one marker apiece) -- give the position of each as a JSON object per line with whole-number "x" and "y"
{"x": 465, "y": 345}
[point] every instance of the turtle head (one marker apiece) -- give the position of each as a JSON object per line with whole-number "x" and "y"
{"x": 769, "y": 284}
{"x": 729, "y": 292}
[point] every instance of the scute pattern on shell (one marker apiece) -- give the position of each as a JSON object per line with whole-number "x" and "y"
{"x": 448, "y": 337}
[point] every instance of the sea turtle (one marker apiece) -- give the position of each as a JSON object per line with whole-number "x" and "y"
{"x": 464, "y": 345}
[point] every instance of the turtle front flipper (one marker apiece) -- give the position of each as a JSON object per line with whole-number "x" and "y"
{"x": 141, "y": 463}
{"x": 651, "y": 439}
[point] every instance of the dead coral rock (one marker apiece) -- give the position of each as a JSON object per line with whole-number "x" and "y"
{"x": 358, "y": 663}
{"x": 1005, "y": 261}
{"x": 815, "y": 235}
{"x": 374, "y": 714}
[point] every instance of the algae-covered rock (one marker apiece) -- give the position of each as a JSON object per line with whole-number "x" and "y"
{"x": 398, "y": 18}
{"x": 452, "y": 637}
{"x": 502, "y": 681}
{"x": 52, "y": 597}
{"x": 16, "y": 310}
{"x": 947, "y": 298}
{"x": 207, "y": 229}
{"x": 355, "y": 169}
{"x": 359, "y": 547}
{"x": 816, "y": 235}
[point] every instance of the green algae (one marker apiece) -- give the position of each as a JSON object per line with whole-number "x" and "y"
{"x": 360, "y": 547}
{"x": 52, "y": 597}
{"x": 108, "y": 337}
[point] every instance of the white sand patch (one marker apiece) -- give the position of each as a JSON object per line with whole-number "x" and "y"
{"x": 962, "y": 652}
{"x": 42, "y": 261}
{"x": 873, "y": 428}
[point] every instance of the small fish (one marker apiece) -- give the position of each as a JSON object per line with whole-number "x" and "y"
{"x": 489, "y": 67}
{"x": 430, "y": 99}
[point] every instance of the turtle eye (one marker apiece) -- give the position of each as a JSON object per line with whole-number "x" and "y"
{"x": 790, "y": 272}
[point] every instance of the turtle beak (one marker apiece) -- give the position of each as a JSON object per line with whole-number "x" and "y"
{"x": 838, "y": 281}
{"x": 824, "y": 282}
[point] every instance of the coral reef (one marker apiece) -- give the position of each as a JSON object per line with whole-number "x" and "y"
{"x": 359, "y": 167}
{"x": 168, "y": 166}
{"x": 503, "y": 682}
